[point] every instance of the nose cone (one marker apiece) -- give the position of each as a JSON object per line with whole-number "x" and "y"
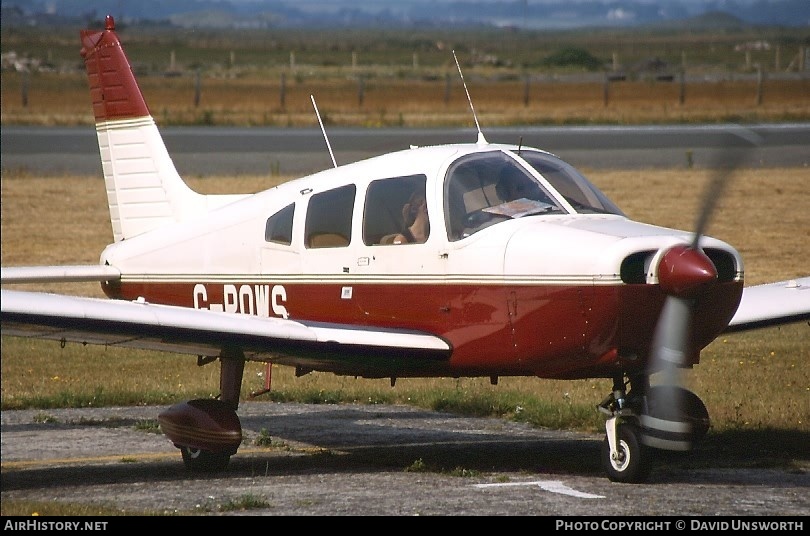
{"x": 685, "y": 272}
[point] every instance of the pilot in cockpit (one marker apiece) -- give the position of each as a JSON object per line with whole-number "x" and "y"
{"x": 416, "y": 223}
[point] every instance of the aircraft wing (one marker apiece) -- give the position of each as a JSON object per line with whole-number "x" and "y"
{"x": 139, "y": 324}
{"x": 58, "y": 274}
{"x": 772, "y": 304}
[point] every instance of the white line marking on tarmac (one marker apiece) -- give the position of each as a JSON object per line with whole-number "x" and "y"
{"x": 554, "y": 486}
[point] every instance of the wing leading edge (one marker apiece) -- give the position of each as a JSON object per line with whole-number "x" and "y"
{"x": 58, "y": 274}
{"x": 772, "y": 304}
{"x": 169, "y": 328}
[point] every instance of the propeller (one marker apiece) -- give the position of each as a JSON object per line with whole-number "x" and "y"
{"x": 685, "y": 272}
{"x": 668, "y": 419}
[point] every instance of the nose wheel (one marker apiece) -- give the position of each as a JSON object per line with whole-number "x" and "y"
{"x": 628, "y": 460}
{"x": 679, "y": 420}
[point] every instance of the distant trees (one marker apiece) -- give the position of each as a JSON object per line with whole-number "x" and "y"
{"x": 573, "y": 57}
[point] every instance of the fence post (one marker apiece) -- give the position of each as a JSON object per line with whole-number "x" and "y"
{"x": 197, "y": 87}
{"x": 282, "y": 90}
{"x": 526, "y": 91}
{"x": 682, "y": 91}
{"x": 26, "y": 78}
{"x": 606, "y": 90}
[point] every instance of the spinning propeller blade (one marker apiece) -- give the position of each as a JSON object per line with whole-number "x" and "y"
{"x": 685, "y": 273}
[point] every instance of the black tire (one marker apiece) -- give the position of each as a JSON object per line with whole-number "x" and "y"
{"x": 204, "y": 461}
{"x": 698, "y": 415}
{"x": 634, "y": 462}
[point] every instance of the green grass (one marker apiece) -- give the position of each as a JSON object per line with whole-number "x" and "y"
{"x": 770, "y": 390}
{"x": 242, "y": 503}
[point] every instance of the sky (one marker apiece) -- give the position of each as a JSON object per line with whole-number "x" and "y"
{"x": 560, "y": 13}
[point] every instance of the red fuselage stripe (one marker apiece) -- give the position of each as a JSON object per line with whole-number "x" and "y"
{"x": 520, "y": 329}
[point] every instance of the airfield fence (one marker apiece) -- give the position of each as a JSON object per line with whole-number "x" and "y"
{"x": 364, "y": 99}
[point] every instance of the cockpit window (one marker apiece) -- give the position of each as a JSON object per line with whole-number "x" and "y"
{"x": 279, "y": 226}
{"x": 329, "y": 218}
{"x": 396, "y": 211}
{"x": 483, "y": 189}
{"x": 576, "y": 189}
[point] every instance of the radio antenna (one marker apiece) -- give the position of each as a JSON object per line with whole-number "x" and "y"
{"x": 481, "y": 140}
{"x": 323, "y": 130}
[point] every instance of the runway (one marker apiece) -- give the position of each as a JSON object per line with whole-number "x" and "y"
{"x": 224, "y": 151}
{"x": 380, "y": 460}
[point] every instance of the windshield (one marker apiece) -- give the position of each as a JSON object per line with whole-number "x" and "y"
{"x": 576, "y": 189}
{"x": 482, "y": 189}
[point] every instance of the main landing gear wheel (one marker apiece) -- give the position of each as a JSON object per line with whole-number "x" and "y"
{"x": 632, "y": 461}
{"x": 204, "y": 461}
{"x": 207, "y": 432}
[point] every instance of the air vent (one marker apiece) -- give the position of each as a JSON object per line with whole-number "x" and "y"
{"x": 723, "y": 262}
{"x": 634, "y": 268}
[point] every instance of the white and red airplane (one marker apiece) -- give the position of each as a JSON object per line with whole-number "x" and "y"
{"x": 465, "y": 260}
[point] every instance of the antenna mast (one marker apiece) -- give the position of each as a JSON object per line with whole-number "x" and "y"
{"x": 323, "y": 130}
{"x": 481, "y": 139}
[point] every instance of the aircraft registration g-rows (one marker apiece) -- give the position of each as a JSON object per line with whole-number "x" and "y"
{"x": 459, "y": 260}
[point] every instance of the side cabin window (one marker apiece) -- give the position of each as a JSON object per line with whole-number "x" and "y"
{"x": 329, "y": 218}
{"x": 278, "y": 228}
{"x": 483, "y": 189}
{"x": 575, "y": 188}
{"x": 396, "y": 211}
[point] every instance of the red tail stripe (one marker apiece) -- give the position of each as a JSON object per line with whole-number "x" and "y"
{"x": 113, "y": 90}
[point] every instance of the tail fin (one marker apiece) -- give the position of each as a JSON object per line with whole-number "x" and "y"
{"x": 144, "y": 190}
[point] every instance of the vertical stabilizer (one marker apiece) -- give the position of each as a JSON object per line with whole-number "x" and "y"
{"x": 144, "y": 190}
